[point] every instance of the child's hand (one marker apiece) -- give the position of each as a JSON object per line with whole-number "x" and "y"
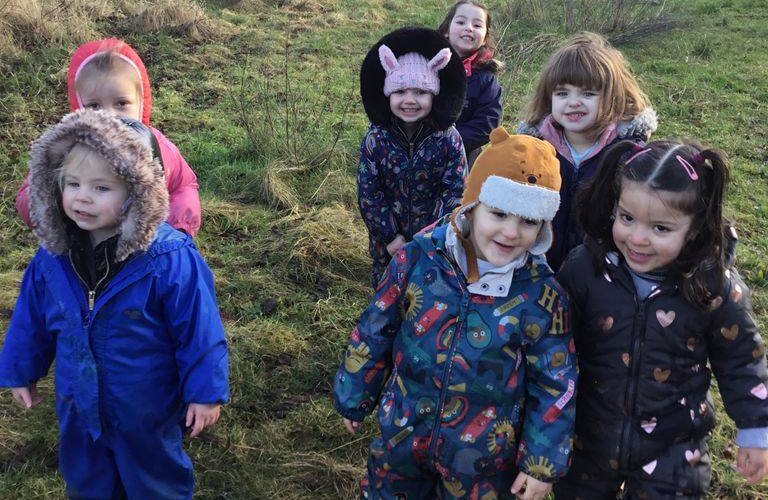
{"x": 753, "y": 464}
{"x": 396, "y": 244}
{"x": 526, "y": 487}
{"x": 26, "y": 396}
{"x": 351, "y": 426}
{"x": 200, "y": 416}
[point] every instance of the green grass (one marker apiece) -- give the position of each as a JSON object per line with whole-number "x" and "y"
{"x": 280, "y": 438}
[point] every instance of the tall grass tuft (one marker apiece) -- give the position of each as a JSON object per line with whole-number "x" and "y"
{"x": 185, "y": 18}
{"x": 621, "y": 21}
{"x": 328, "y": 241}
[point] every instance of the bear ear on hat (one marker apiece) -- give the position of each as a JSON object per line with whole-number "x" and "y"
{"x": 498, "y": 135}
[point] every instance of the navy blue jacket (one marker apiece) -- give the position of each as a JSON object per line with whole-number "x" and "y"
{"x": 482, "y": 109}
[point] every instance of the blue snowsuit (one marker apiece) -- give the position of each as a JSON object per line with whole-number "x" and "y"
{"x": 469, "y": 388}
{"x": 132, "y": 349}
{"x": 126, "y": 370}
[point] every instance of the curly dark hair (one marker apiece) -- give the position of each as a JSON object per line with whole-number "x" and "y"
{"x": 696, "y": 177}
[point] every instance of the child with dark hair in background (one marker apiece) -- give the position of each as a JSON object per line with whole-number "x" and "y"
{"x": 108, "y": 74}
{"x": 412, "y": 161}
{"x": 586, "y": 99}
{"x": 656, "y": 310}
{"x": 467, "y": 25}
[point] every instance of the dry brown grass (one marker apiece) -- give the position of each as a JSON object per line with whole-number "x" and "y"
{"x": 184, "y": 18}
{"x": 276, "y": 189}
{"x": 25, "y": 24}
{"x": 337, "y": 186}
{"x": 329, "y": 241}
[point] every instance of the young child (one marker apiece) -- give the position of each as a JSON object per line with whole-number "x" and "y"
{"x": 108, "y": 74}
{"x": 586, "y": 99}
{"x": 467, "y": 27}
{"x": 656, "y": 313}
{"x": 125, "y": 304}
{"x": 412, "y": 161}
{"x": 466, "y": 345}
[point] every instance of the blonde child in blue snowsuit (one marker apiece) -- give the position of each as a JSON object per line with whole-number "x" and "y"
{"x": 125, "y": 305}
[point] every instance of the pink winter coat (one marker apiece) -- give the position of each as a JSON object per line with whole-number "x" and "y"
{"x": 179, "y": 177}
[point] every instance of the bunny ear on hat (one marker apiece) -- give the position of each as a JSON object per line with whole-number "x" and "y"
{"x": 388, "y": 59}
{"x": 441, "y": 60}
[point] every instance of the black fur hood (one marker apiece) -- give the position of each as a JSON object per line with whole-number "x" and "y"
{"x": 446, "y": 106}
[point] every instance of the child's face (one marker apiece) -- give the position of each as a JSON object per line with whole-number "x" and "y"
{"x": 467, "y": 31}
{"x": 93, "y": 196}
{"x": 116, "y": 92}
{"x": 647, "y": 230}
{"x": 499, "y": 237}
{"x": 576, "y": 109}
{"x": 410, "y": 105}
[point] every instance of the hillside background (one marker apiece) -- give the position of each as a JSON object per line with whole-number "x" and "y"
{"x": 261, "y": 97}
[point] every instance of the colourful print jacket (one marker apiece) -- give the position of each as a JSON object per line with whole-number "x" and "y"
{"x": 463, "y": 381}
{"x": 646, "y": 365}
{"x": 405, "y": 185}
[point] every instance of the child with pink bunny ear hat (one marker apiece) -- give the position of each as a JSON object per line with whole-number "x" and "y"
{"x": 412, "y": 161}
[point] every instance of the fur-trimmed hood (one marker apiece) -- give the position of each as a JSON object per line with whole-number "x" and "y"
{"x": 446, "y": 106}
{"x": 640, "y": 126}
{"x": 126, "y": 148}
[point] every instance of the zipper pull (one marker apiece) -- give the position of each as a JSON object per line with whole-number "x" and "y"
{"x": 91, "y": 299}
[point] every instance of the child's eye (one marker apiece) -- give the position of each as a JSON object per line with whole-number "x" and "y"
{"x": 103, "y": 189}
{"x": 399, "y": 92}
{"x": 661, "y": 229}
{"x": 560, "y": 93}
{"x": 626, "y": 218}
{"x": 122, "y": 104}
{"x": 499, "y": 214}
{"x": 71, "y": 184}
{"x": 92, "y": 105}
{"x": 590, "y": 93}
{"x": 530, "y": 222}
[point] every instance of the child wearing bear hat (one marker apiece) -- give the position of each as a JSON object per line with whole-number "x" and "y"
{"x": 412, "y": 161}
{"x": 466, "y": 345}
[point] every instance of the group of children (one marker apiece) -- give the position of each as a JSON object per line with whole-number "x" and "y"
{"x": 549, "y": 305}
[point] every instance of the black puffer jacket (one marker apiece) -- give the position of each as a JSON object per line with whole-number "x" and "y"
{"x": 646, "y": 365}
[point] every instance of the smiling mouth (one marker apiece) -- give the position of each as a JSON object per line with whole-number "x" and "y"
{"x": 637, "y": 256}
{"x": 575, "y": 116}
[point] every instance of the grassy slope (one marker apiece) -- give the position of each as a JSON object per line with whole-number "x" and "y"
{"x": 280, "y": 437}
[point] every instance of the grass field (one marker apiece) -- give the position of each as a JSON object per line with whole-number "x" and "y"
{"x": 261, "y": 97}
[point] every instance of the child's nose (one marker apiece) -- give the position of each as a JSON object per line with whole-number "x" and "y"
{"x": 511, "y": 229}
{"x": 638, "y": 237}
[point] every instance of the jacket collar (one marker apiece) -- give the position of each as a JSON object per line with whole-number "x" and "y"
{"x": 641, "y": 126}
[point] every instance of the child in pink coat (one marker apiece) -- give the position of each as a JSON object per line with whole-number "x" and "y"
{"x": 108, "y": 74}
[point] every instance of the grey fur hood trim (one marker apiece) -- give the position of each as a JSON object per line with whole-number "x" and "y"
{"x": 641, "y": 125}
{"x": 131, "y": 159}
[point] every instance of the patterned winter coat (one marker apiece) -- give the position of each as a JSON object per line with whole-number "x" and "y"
{"x": 463, "y": 381}
{"x": 403, "y": 186}
{"x": 180, "y": 180}
{"x": 567, "y": 234}
{"x": 646, "y": 365}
